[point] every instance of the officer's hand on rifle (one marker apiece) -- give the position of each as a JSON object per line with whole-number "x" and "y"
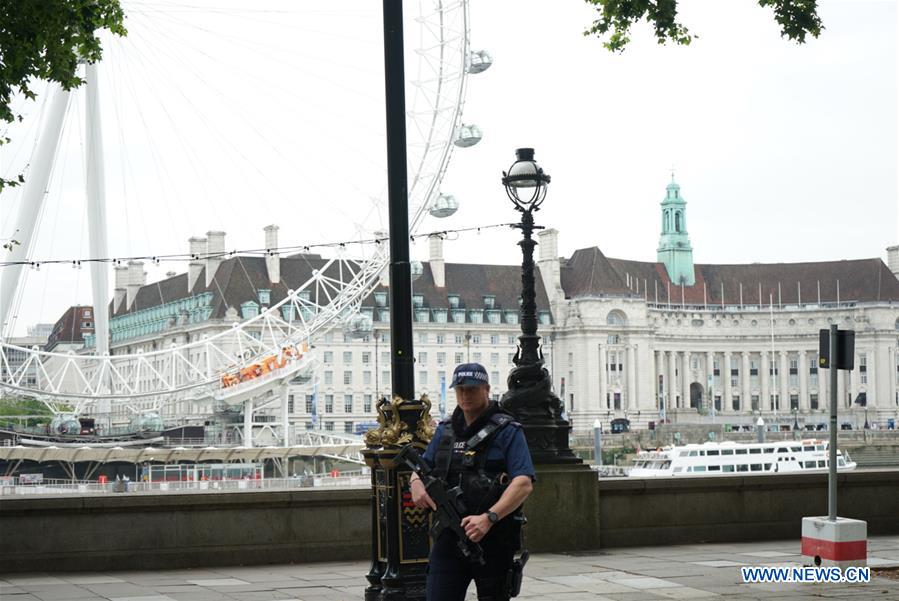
{"x": 420, "y": 496}
{"x": 476, "y": 526}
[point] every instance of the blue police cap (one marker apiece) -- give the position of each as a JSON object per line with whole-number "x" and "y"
{"x": 469, "y": 374}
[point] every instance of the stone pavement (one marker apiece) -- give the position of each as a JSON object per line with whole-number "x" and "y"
{"x": 638, "y": 574}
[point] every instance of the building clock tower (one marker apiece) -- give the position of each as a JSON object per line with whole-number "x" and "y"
{"x": 674, "y": 244}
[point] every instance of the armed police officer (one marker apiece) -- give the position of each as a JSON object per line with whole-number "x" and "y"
{"x": 481, "y": 449}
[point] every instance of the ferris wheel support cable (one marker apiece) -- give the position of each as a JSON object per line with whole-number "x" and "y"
{"x": 33, "y": 198}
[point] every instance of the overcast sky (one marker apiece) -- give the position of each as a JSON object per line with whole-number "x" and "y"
{"x": 232, "y": 115}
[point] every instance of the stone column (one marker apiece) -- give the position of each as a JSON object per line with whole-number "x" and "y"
{"x": 802, "y": 363}
{"x": 891, "y": 376}
{"x": 685, "y": 380}
{"x": 589, "y": 397}
{"x": 631, "y": 378}
{"x": 764, "y": 378}
{"x": 784, "y": 381}
{"x": 671, "y": 383}
{"x": 603, "y": 365}
{"x": 855, "y": 379}
{"x": 727, "y": 397}
{"x": 746, "y": 396}
{"x": 659, "y": 370}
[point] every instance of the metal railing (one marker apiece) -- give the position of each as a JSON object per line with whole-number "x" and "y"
{"x": 355, "y": 478}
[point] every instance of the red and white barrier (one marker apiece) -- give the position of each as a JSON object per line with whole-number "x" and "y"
{"x": 842, "y": 543}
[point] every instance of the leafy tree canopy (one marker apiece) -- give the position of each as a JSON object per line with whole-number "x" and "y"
{"x": 797, "y": 19}
{"x": 46, "y": 39}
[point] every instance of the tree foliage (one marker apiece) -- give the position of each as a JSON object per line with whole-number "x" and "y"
{"x": 797, "y": 19}
{"x": 46, "y": 39}
{"x": 29, "y": 407}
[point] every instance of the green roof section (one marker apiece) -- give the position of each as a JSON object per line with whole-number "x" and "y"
{"x": 675, "y": 251}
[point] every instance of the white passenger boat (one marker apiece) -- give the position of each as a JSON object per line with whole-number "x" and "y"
{"x": 733, "y": 458}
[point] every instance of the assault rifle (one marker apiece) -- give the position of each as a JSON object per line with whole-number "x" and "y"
{"x": 450, "y": 506}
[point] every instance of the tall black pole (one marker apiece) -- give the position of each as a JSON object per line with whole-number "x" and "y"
{"x": 402, "y": 381}
{"x": 530, "y": 341}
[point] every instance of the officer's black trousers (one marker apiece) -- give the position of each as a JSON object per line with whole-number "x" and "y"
{"x": 450, "y": 573}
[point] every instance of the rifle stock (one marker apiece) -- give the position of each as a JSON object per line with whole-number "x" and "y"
{"x": 449, "y": 510}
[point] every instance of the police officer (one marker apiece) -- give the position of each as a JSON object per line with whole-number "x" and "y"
{"x": 483, "y": 450}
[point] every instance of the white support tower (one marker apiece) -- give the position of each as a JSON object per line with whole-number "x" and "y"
{"x": 96, "y": 210}
{"x": 33, "y": 196}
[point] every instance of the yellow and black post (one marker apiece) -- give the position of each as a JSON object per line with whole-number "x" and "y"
{"x": 400, "y": 541}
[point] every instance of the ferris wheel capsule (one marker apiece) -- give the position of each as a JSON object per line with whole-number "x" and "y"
{"x": 444, "y": 206}
{"x": 479, "y": 61}
{"x": 359, "y": 325}
{"x": 468, "y": 135}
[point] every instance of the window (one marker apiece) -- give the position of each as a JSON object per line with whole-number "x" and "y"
{"x": 347, "y": 356}
{"x": 309, "y": 426}
{"x": 385, "y": 357}
{"x": 753, "y": 368}
{"x": 512, "y": 340}
{"x": 494, "y": 358}
{"x": 813, "y": 401}
{"x": 329, "y": 426}
{"x": 494, "y": 339}
{"x": 366, "y": 378}
{"x": 441, "y": 339}
{"x": 265, "y": 296}
{"x": 329, "y": 378}
{"x": 366, "y": 403}
{"x": 381, "y": 299}
{"x": 863, "y": 369}
{"x": 794, "y": 402}
{"x": 348, "y": 403}
{"x": 727, "y": 451}
{"x": 329, "y": 403}
{"x": 423, "y": 358}
{"x": 328, "y": 357}
{"x": 310, "y": 401}
{"x": 422, "y": 378}
{"x": 476, "y": 357}
{"x": 290, "y": 403}
{"x": 348, "y": 427}
{"x": 347, "y": 377}
{"x": 458, "y": 358}
{"x": 423, "y": 338}
{"x": 86, "y": 324}
{"x": 458, "y": 339}
{"x": 489, "y": 301}
{"x": 385, "y": 378}
{"x": 476, "y": 339}
{"x": 755, "y": 402}
{"x": 87, "y": 313}
{"x": 418, "y": 300}
{"x": 494, "y": 378}
{"x": 727, "y": 468}
{"x": 755, "y": 451}
{"x": 366, "y": 357}
{"x": 441, "y": 358}
{"x": 453, "y": 301}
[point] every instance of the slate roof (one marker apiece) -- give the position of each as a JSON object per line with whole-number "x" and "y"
{"x": 67, "y": 328}
{"x": 238, "y": 279}
{"x": 590, "y": 273}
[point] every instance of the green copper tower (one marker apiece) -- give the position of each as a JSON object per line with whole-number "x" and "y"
{"x": 674, "y": 244}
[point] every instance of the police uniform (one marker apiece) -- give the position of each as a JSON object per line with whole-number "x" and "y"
{"x": 481, "y": 458}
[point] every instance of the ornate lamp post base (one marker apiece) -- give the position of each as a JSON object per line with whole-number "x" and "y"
{"x": 531, "y": 399}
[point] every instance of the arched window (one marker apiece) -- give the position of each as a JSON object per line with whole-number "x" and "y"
{"x": 677, "y": 221}
{"x": 616, "y": 318}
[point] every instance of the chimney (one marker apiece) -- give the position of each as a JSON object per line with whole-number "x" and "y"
{"x": 893, "y": 259}
{"x": 121, "y": 283}
{"x": 272, "y": 261}
{"x": 136, "y": 278}
{"x": 215, "y": 245}
{"x": 435, "y": 244}
{"x": 197, "y": 248}
{"x": 550, "y": 270}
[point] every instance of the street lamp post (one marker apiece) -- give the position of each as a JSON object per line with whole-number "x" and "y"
{"x": 530, "y": 396}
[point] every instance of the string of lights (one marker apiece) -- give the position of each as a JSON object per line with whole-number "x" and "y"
{"x": 176, "y": 257}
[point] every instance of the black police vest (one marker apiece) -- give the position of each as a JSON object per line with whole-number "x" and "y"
{"x": 464, "y": 463}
